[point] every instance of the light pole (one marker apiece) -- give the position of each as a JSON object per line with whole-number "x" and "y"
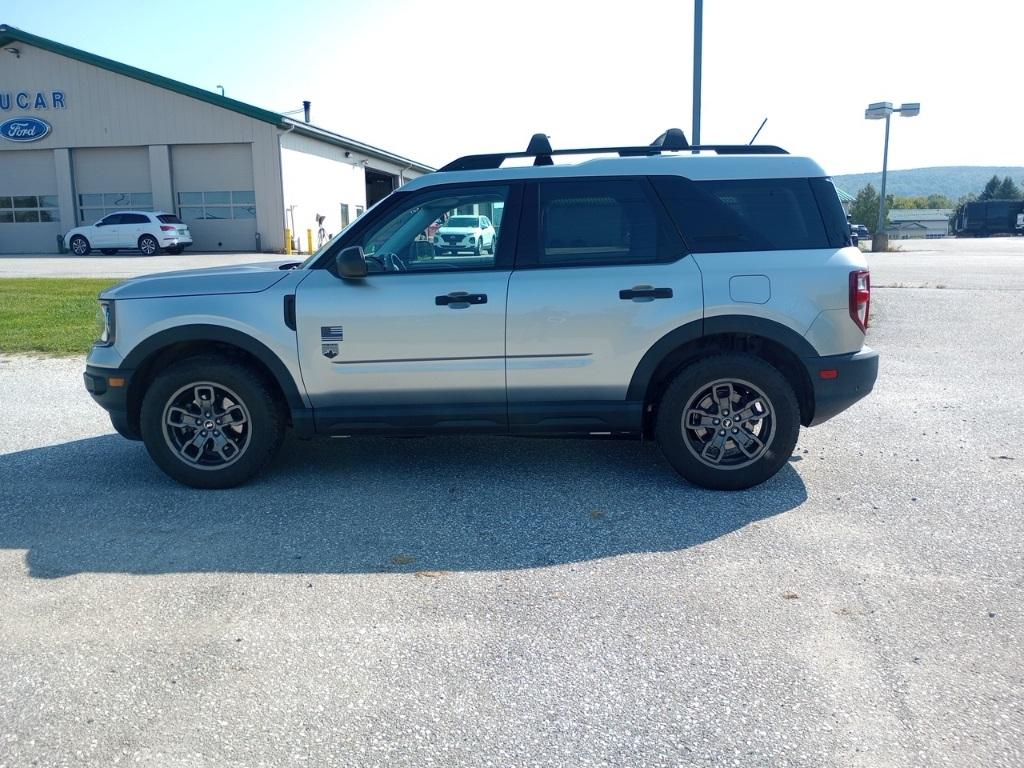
{"x": 878, "y": 111}
{"x": 698, "y": 34}
{"x": 221, "y": 89}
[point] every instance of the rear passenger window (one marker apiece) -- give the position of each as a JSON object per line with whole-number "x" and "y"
{"x": 597, "y": 222}
{"x": 745, "y": 214}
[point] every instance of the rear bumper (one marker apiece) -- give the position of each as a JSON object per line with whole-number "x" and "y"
{"x": 854, "y": 377}
{"x": 109, "y": 388}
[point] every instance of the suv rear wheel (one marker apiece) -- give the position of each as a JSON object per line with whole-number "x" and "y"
{"x": 728, "y": 422}
{"x": 210, "y": 423}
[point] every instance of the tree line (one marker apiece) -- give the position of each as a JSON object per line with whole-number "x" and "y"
{"x": 864, "y": 209}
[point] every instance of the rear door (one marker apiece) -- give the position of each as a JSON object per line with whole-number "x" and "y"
{"x": 131, "y": 228}
{"x": 601, "y": 275}
{"x": 419, "y": 343}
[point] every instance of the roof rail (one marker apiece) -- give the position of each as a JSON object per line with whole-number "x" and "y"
{"x": 672, "y": 140}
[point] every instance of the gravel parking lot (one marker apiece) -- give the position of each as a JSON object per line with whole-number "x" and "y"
{"x": 484, "y": 601}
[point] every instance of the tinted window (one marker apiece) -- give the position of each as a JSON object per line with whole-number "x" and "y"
{"x": 167, "y": 218}
{"x": 601, "y": 221}
{"x": 114, "y": 218}
{"x": 744, "y": 215}
{"x": 837, "y": 228}
{"x": 134, "y": 218}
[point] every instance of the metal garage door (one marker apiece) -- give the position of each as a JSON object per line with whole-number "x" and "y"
{"x": 213, "y": 192}
{"x": 29, "y": 214}
{"x": 111, "y": 179}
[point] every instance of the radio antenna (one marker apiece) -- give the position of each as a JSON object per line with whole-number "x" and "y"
{"x": 758, "y": 130}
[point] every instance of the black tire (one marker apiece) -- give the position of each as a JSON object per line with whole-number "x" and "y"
{"x": 109, "y": 251}
{"x": 725, "y": 465}
{"x": 250, "y": 397}
{"x": 148, "y": 245}
{"x": 478, "y": 247}
{"x": 79, "y": 246}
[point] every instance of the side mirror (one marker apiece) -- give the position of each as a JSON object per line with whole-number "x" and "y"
{"x": 350, "y": 263}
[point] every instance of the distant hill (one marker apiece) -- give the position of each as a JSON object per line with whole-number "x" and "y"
{"x": 951, "y": 181}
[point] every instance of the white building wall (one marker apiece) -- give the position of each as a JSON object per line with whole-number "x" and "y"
{"x": 317, "y": 178}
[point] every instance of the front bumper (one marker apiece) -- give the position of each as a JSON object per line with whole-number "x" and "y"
{"x": 839, "y": 381}
{"x": 109, "y": 388}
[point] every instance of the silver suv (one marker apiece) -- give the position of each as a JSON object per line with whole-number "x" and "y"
{"x": 708, "y": 298}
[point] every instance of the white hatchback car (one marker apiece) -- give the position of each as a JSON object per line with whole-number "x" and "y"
{"x": 465, "y": 233}
{"x": 149, "y": 232}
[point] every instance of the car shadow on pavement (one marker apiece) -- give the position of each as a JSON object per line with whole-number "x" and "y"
{"x": 365, "y": 506}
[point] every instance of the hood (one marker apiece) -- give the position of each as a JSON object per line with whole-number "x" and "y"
{"x": 240, "y": 278}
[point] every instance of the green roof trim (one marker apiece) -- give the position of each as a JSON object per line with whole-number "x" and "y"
{"x": 10, "y": 35}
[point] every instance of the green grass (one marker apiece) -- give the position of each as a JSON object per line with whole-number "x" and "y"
{"x": 53, "y": 316}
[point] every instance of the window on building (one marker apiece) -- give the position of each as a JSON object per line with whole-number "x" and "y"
{"x": 207, "y": 206}
{"x": 344, "y": 215}
{"x": 359, "y": 211}
{"x": 94, "y": 206}
{"x": 28, "y": 209}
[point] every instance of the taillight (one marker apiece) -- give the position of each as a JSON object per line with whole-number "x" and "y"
{"x": 860, "y": 298}
{"x": 166, "y": 228}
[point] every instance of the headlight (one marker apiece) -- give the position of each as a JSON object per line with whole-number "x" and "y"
{"x": 105, "y": 323}
{"x": 471, "y": 239}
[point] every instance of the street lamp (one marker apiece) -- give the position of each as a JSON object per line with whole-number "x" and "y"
{"x": 882, "y": 110}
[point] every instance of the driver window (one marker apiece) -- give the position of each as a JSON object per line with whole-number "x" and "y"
{"x": 438, "y": 231}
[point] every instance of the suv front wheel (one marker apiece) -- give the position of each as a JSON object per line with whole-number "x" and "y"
{"x": 211, "y": 423}
{"x": 728, "y": 422}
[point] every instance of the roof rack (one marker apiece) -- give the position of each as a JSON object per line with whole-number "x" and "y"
{"x": 672, "y": 140}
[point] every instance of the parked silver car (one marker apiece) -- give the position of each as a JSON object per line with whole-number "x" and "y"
{"x": 709, "y": 300}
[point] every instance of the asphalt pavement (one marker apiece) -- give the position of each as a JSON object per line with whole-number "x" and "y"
{"x": 499, "y": 602}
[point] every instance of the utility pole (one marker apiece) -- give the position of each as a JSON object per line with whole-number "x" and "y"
{"x": 698, "y": 31}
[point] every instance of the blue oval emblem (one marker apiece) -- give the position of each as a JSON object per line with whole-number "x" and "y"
{"x": 24, "y": 129}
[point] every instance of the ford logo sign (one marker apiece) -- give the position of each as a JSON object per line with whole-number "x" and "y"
{"x": 24, "y": 129}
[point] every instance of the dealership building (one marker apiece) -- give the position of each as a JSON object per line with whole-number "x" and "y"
{"x": 82, "y": 136}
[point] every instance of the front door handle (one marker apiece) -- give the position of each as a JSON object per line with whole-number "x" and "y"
{"x": 645, "y": 293}
{"x": 460, "y": 299}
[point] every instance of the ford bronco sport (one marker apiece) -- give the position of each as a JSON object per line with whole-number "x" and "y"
{"x": 706, "y": 297}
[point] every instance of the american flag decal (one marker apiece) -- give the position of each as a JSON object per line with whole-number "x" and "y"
{"x": 331, "y": 333}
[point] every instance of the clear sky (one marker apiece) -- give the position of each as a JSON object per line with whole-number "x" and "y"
{"x": 433, "y": 80}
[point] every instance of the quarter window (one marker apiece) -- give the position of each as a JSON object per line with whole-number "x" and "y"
{"x": 198, "y": 206}
{"x": 599, "y": 222}
{"x": 744, "y": 214}
{"x": 29, "y": 209}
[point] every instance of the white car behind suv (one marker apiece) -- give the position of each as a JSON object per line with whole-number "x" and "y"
{"x": 465, "y": 233}
{"x": 149, "y": 232}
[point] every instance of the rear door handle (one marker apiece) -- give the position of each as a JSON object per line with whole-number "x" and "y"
{"x": 644, "y": 293}
{"x": 460, "y": 299}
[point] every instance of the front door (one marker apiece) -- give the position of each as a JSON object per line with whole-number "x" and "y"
{"x": 419, "y": 343}
{"x": 104, "y": 232}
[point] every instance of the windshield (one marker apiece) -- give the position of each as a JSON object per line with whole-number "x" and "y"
{"x": 463, "y": 221}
